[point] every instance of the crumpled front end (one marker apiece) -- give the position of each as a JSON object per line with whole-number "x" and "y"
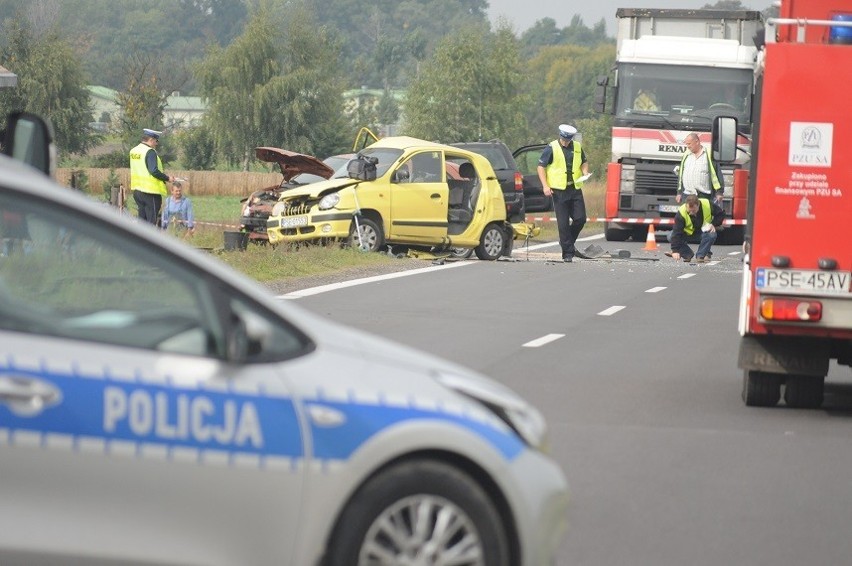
{"x": 310, "y": 217}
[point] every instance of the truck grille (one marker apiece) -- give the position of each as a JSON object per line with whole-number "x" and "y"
{"x": 655, "y": 179}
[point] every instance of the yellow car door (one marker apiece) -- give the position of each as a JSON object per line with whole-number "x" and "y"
{"x": 419, "y": 196}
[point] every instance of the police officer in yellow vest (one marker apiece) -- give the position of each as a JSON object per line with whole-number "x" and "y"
{"x": 560, "y": 167}
{"x": 696, "y": 222}
{"x": 147, "y": 179}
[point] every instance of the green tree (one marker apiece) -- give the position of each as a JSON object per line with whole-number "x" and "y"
{"x": 51, "y": 83}
{"x": 198, "y": 148}
{"x": 470, "y": 89}
{"x": 142, "y": 101}
{"x": 274, "y": 86}
{"x": 564, "y": 76}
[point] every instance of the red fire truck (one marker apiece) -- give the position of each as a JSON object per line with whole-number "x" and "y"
{"x": 796, "y": 305}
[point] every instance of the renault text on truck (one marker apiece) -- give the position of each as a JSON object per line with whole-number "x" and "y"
{"x": 675, "y": 70}
{"x": 796, "y": 306}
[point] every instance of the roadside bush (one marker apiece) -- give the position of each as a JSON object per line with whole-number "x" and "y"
{"x": 198, "y": 149}
{"x": 112, "y": 160}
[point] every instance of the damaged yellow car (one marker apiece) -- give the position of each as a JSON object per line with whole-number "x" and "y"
{"x": 406, "y": 193}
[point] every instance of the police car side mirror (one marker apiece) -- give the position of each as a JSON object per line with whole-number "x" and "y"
{"x": 29, "y": 138}
{"x": 724, "y": 140}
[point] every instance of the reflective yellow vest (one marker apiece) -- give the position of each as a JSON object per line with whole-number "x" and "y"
{"x": 140, "y": 178}
{"x": 557, "y": 171}
{"x": 688, "y": 227}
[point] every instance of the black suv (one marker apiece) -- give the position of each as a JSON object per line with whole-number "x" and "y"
{"x": 527, "y": 160}
{"x": 507, "y": 172}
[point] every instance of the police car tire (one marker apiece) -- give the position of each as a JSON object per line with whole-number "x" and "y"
{"x": 421, "y": 477}
{"x": 491, "y": 243}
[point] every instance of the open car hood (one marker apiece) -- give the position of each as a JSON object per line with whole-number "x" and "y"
{"x": 292, "y": 163}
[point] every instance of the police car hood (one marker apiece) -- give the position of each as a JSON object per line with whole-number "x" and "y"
{"x": 378, "y": 350}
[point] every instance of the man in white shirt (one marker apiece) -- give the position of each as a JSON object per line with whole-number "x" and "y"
{"x": 698, "y": 174}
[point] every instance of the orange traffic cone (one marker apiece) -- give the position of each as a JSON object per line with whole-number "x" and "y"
{"x": 651, "y": 240}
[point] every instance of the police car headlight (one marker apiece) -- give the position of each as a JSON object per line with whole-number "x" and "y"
{"x": 329, "y": 201}
{"x": 521, "y": 417}
{"x": 278, "y": 209}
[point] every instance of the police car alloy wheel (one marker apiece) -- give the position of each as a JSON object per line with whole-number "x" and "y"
{"x": 420, "y": 512}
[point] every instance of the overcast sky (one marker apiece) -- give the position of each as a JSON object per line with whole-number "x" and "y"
{"x": 524, "y": 13}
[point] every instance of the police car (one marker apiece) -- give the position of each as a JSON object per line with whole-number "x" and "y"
{"x": 158, "y": 408}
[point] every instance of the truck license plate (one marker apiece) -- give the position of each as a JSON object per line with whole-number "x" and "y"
{"x": 667, "y": 208}
{"x": 294, "y": 221}
{"x": 803, "y": 281}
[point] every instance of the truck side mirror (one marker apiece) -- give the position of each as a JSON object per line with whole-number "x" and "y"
{"x": 29, "y": 138}
{"x": 600, "y": 93}
{"x": 724, "y": 139}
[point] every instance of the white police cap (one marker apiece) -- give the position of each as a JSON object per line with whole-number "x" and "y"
{"x": 566, "y": 131}
{"x": 147, "y": 132}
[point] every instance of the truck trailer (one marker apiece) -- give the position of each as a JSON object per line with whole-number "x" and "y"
{"x": 796, "y": 307}
{"x": 675, "y": 71}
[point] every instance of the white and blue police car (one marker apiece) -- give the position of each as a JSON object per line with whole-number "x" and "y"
{"x": 158, "y": 408}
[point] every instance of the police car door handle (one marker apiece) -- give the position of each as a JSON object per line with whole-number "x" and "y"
{"x": 27, "y": 396}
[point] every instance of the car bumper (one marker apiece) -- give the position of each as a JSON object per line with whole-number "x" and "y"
{"x": 323, "y": 226}
{"x": 541, "y": 512}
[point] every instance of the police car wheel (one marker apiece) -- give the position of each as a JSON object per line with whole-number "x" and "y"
{"x": 420, "y": 512}
{"x": 371, "y": 239}
{"x": 492, "y": 243}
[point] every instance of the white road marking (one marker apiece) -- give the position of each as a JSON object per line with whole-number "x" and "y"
{"x": 543, "y": 340}
{"x": 656, "y": 289}
{"x": 353, "y": 282}
{"x": 686, "y": 276}
{"x": 611, "y": 310}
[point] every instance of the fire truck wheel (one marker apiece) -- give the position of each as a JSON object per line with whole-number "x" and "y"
{"x": 804, "y": 392}
{"x": 761, "y": 389}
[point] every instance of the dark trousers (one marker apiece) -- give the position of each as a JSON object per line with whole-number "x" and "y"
{"x": 148, "y": 206}
{"x": 570, "y": 209}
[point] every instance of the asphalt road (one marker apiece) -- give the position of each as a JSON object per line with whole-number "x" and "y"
{"x": 633, "y": 363}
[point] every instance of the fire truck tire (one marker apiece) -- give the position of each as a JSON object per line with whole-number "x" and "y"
{"x": 616, "y": 235}
{"x": 804, "y": 392}
{"x": 731, "y": 236}
{"x": 761, "y": 389}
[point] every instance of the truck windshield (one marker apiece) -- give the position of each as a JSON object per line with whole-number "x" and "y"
{"x": 678, "y": 93}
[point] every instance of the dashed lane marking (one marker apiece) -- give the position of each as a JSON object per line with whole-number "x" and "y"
{"x": 546, "y": 339}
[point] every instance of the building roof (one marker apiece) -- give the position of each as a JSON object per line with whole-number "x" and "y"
{"x": 7, "y": 78}
{"x": 103, "y": 92}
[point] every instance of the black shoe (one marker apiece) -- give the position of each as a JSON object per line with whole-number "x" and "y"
{"x": 567, "y": 259}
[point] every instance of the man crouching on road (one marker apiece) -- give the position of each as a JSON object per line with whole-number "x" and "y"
{"x": 696, "y": 222}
